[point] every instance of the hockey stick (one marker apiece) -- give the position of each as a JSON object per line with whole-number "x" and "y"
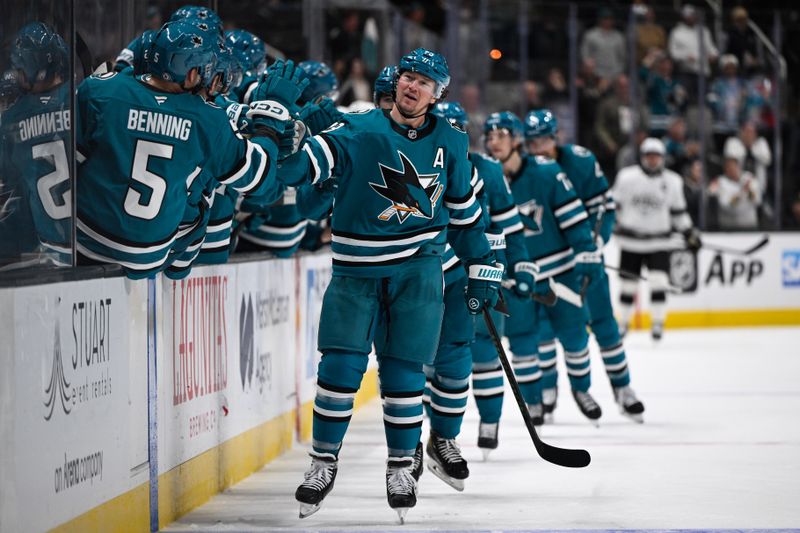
{"x": 673, "y": 289}
{"x": 749, "y": 251}
{"x": 557, "y": 456}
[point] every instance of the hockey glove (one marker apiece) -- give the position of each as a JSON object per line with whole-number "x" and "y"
{"x": 525, "y": 276}
{"x": 693, "y": 241}
{"x": 238, "y": 114}
{"x": 589, "y": 265}
{"x": 482, "y": 287}
{"x": 291, "y": 139}
{"x": 271, "y": 119}
{"x": 282, "y": 83}
{"x": 318, "y": 117}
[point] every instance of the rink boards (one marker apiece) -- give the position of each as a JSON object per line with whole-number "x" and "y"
{"x": 235, "y": 360}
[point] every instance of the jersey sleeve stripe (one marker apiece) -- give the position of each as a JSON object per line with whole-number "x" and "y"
{"x": 219, "y": 227}
{"x": 273, "y": 243}
{"x": 375, "y": 258}
{"x": 314, "y": 164}
{"x": 334, "y": 157}
{"x": 191, "y": 177}
{"x": 283, "y": 230}
{"x": 124, "y": 245}
{"x": 461, "y": 205}
{"x": 327, "y": 150}
{"x": 567, "y": 207}
{"x": 459, "y": 200}
{"x": 478, "y": 188}
{"x": 514, "y": 228}
{"x": 575, "y": 219}
{"x": 240, "y": 168}
{"x": 249, "y": 92}
{"x": 467, "y": 222}
{"x": 504, "y": 214}
{"x": 142, "y": 267}
{"x": 261, "y": 172}
{"x": 597, "y": 199}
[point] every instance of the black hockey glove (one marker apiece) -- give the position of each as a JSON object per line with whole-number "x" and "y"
{"x": 693, "y": 241}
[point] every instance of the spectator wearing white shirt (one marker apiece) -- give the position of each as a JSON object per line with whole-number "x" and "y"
{"x": 684, "y": 48}
{"x": 752, "y": 151}
{"x": 738, "y": 195}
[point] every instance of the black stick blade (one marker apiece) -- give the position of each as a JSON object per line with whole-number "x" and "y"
{"x": 563, "y": 456}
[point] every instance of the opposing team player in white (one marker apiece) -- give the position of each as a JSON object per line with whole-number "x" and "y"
{"x": 651, "y": 207}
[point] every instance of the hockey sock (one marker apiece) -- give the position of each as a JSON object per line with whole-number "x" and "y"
{"x": 547, "y": 363}
{"x": 626, "y": 297}
{"x": 426, "y": 393}
{"x": 578, "y": 368}
{"x": 402, "y": 383}
{"x": 487, "y": 378}
{"x": 338, "y": 379}
{"x": 529, "y": 377}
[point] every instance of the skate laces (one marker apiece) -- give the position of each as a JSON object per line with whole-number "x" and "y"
{"x": 319, "y": 475}
{"x": 399, "y": 479}
{"x": 586, "y": 400}
{"x": 448, "y": 449}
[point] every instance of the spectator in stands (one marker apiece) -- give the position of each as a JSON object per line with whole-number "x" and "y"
{"x": 738, "y": 195}
{"x": 615, "y": 122}
{"x": 471, "y": 102}
{"x": 752, "y": 151}
{"x": 693, "y": 189}
{"x": 649, "y": 34}
{"x": 681, "y": 151}
{"x": 666, "y": 97}
{"x": 533, "y": 95}
{"x": 344, "y": 42}
{"x": 153, "y": 18}
{"x": 591, "y": 88}
{"x": 356, "y": 87}
{"x": 605, "y": 45}
{"x": 684, "y": 48}
{"x": 728, "y": 99}
{"x": 744, "y": 44}
{"x": 556, "y": 98}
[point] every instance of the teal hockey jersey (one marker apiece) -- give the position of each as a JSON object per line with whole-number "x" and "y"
{"x": 556, "y": 223}
{"x": 140, "y": 151}
{"x": 591, "y": 185}
{"x": 36, "y": 163}
{"x": 399, "y": 189}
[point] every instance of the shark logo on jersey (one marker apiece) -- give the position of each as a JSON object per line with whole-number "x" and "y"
{"x": 531, "y": 214}
{"x": 411, "y": 193}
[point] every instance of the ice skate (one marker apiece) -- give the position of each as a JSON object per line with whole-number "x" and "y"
{"x": 549, "y": 400}
{"x": 317, "y": 484}
{"x": 446, "y": 461}
{"x": 588, "y": 406}
{"x": 417, "y": 470}
{"x": 536, "y": 412}
{"x": 629, "y": 404}
{"x": 487, "y": 438}
{"x": 657, "y": 331}
{"x": 401, "y": 487}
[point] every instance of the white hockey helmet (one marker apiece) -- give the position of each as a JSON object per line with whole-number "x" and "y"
{"x": 652, "y": 146}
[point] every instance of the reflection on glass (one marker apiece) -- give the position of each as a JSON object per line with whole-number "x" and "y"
{"x": 35, "y": 155}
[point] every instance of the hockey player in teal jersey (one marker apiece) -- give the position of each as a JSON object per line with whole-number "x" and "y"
{"x": 142, "y": 141}
{"x": 36, "y": 156}
{"x": 559, "y": 238}
{"x": 251, "y": 52}
{"x": 403, "y": 179}
{"x": 383, "y": 89}
{"x": 591, "y": 186}
{"x": 464, "y": 349}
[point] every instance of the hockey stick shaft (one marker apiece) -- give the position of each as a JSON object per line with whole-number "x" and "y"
{"x": 627, "y": 274}
{"x": 558, "y": 456}
{"x": 749, "y": 251}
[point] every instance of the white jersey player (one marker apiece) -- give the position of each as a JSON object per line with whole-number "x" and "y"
{"x": 651, "y": 207}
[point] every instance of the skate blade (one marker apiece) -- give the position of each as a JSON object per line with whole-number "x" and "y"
{"x": 307, "y": 509}
{"x": 457, "y": 484}
{"x": 401, "y": 514}
{"x": 638, "y": 418}
{"x": 486, "y": 452}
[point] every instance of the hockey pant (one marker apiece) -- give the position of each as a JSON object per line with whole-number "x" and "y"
{"x": 402, "y": 315}
{"x": 447, "y": 380}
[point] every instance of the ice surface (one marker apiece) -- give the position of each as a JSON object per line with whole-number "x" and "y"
{"x": 720, "y": 448}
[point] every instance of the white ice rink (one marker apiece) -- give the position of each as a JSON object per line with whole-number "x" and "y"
{"x": 719, "y": 449}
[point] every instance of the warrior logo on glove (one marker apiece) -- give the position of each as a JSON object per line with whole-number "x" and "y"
{"x": 411, "y": 193}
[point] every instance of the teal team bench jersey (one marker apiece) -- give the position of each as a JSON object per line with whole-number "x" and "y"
{"x": 140, "y": 151}
{"x": 556, "y": 223}
{"x": 399, "y": 189}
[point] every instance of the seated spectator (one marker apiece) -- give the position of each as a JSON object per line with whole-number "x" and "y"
{"x": 728, "y": 99}
{"x": 356, "y": 87}
{"x": 738, "y": 195}
{"x": 684, "y": 48}
{"x": 681, "y": 151}
{"x": 666, "y": 97}
{"x": 605, "y": 45}
{"x": 751, "y": 151}
{"x": 649, "y": 34}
